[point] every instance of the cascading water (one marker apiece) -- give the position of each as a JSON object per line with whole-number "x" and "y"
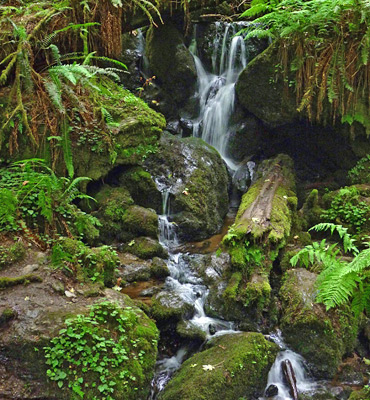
{"x": 216, "y": 90}
{"x": 276, "y": 376}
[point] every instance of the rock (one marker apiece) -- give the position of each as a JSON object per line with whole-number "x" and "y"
{"x": 271, "y": 391}
{"x": 171, "y": 62}
{"x": 243, "y": 176}
{"x": 234, "y": 366}
{"x": 159, "y": 268}
{"x": 28, "y": 269}
{"x": 198, "y": 182}
{"x": 132, "y": 268}
{"x": 187, "y": 330}
{"x": 170, "y": 306}
{"x": 142, "y": 188}
{"x": 145, "y": 248}
{"x": 261, "y": 94}
{"x": 359, "y": 395}
{"x": 27, "y": 327}
{"x": 141, "y": 221}
{"x": 328, "y": 335}
{"x": 11, "y": 252}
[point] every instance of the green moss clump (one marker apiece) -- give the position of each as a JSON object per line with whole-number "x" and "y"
{"x": 6, "y": 282}
{"x": 256, "y": 292}
{"x": 145, "y": 248}
{"x": 328, "y": 335}
{"x": 187, "y": 330}
{"x": 231, "y": 292}
{"x": 95, "y": 264}
{"x": 7, "y": 315}
{"x": 168, "y": 306}
{"x": 11, "y": 254}
{"x": 141, "y": 221}
{"x": 109, "y": 353}
{"x": 235, "y": 366}
{"x": 363, "y": 394}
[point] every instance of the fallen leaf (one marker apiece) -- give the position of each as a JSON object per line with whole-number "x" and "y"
{"x": 193, "y": 365}
{"x": 208, "y": 367}
{"x": 26, "y": 298}
{"x": 69, "y": 294}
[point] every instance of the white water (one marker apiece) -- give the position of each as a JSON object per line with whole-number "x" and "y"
{"x": 276, "y": 377}
{"x": 216, "y": 89}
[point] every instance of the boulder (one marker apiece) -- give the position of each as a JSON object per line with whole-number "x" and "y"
{"x": 233, "y": 366}
{"x": 263, "y": 95}
{"x": 197, "y": 180}
{"x": 145, "y": 248}
{"x": 171, "y": 62}
{"x": 31, "y": 317}
{"x": 327, "y": 335}
{"x": 170, "y": 306}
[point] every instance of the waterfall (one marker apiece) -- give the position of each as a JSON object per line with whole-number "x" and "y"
{"x": 216, "y": 89}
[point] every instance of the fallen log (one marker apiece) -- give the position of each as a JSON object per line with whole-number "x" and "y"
{"x": 290, "y": 378}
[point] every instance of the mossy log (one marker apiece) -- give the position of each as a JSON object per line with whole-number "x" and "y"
{"x": 265, "y": 216}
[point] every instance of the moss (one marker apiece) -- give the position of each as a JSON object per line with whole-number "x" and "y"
{"x": 142, "y": 188}
{"x": 311, "y": 210}
{"x": 145, "y": 248}
{"x": 187, "y": 330}
{"x": 329, "y": 335}
{"x": 363, "y": 394}
{"x": 11, "y": 254}
{"x": 141, "y": 221}
{"x": 256, "y": 292}
{"x": 231, "y": 291}
{"x": 239, "y": 366}
{"x": 7, "y": 315}
{"x": 6, "y": 282}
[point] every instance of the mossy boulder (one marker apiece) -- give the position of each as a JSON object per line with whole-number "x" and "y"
{"x": 159, "y": 268}
{"x": 197, "y": 180}
{"x": 145, "y": 248}
{"x": 327, "y": 335}
{"x": 187, "y": 330}
{"x": 171, "y": 62}
{"x": 234, "y": 366}
{"x": 32, "y": 314}
{"x": 142, "y": 188}
{"x": 85, "y": 263}
{"x": 363, "y": 394}
{"x": 260, "y": 89}
{"x": 121, "y": 219}
{"x": 169, "y": 306}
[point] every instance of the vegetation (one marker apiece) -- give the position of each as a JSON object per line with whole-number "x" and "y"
{"x": 324, "y": 49}
{"x": 340, "y": 281}
{"x": 37, "y": 203}
{"x": 106, "y": 354}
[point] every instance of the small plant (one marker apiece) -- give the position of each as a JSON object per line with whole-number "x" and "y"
{"x": 33, "y": 200}
{"x": 102, "y": 355}
{"x": 340, "y": 281}
{"x": 360, "y": 173}
{"x": 348, "y": 209}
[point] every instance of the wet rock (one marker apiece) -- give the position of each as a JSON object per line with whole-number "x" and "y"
{"x": 328, "y": 335}
{"x": 133, "y": 268}
{"x": 141, "y": 221}
{"x": 234, "y": 366}
{"x": 271, "y": 391}
{"x": 198, "y": 182}
{"x": 145, "y": 248}
{"x": 243, "y": 176}
{"x": 170, "y": 306}
{"x": 187, "y": 330}
{"x": 159, "y": 268}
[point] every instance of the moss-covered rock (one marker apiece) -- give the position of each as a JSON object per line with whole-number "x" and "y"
{"x": 327, "y": 335}
{"x": 145, "y": 248}
{"x": 197, "y": 179}
{"x": 11, "y": 253}
{"x": 235, "y": 366}
{"x": 85, "y": 263}
{"x": 170, "y": 306}
{"x": 159, "y": 268}
{"x": 171, "y": 61}
{"x": 363, "y": 394}
{"x": 142, "y": 188}
{"x": 263, "y": 95}
{"x": 122, "y": 220}
{"x": 187, "y": 330}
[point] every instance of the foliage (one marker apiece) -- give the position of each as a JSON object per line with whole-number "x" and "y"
{"x": 340, "y": 281}
{"x": 100, "y": 355}
{"x": 34, "y": 200}
{"x": 360, "y": 173}
{"x": 84, "y": 263}
{"x": 347, "y": 208}
{"x": 325, "y": 45}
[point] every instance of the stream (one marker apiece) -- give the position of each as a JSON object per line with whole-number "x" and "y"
{"x": 216, "y": 96}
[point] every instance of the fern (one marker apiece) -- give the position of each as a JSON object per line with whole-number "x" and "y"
{"x": 340, "y": 281}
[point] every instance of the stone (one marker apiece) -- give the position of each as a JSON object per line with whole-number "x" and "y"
{"x": 271, "y": 391}
{"x": 170, "y": 306}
